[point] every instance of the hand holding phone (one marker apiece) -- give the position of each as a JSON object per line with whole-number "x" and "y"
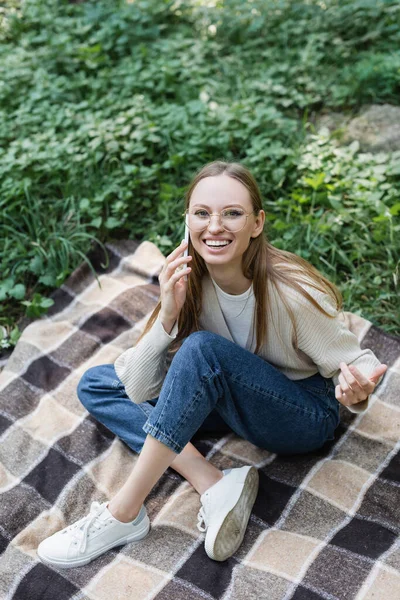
{"x": 172, "y": 288}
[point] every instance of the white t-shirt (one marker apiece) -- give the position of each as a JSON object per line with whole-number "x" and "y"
{"x": 238, "y": 313}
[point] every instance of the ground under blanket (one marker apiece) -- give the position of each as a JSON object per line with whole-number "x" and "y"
{"x": 324, "y": 525}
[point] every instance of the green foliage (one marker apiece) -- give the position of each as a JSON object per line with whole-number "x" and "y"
{"x": 8, "y": 340}
{"x": 38, "y": 305}
{"x": 108, "y": 108}
{"x": 341, "y": 216}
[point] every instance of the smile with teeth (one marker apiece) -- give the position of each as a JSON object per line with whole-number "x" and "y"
{"x": 217, "y": 242}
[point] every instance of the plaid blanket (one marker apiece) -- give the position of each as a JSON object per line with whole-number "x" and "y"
{"x": 324, "y": 525}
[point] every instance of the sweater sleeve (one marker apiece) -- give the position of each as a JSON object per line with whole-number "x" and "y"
{"x": 142, "y": 368}
{"x": 328, "y": 341}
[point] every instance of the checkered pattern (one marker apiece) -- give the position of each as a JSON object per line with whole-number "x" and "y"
{"x": 324, "y": 525}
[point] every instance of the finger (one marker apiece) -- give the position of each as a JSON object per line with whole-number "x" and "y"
{"x": 338, "y": 392}
{"x": 348, "y": 399}
{"x": 376, "y": 373}
{"x": 352, "y": 396}
{"x": 366, "y": 384}
{"x": 344, "y": 384}
{"x": 177, "y": 263}
{"x": 179, "y": 250}
{"x": 355, "y": 394}
{"x": 176, "y": 276}
{"x": 180, "y": 267}
{"x": 362, "y": 379}
{"x": 341, "y": 397}
{"x": 351, "y": 381}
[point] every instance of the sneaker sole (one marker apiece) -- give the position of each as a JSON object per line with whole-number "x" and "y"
{"x": 135, "y": 537}
{"x": 226, "y": 538}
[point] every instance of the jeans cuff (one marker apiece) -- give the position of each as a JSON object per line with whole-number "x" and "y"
{"x": 159, "y": 435}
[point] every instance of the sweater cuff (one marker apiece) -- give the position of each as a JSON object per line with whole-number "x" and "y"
{"x": 158, "y": 339}
{"x": 171, "y": 336}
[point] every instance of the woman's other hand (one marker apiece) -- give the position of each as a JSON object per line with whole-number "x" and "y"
{"x": 354, "y": 386}
{"x": 173, "y": 285}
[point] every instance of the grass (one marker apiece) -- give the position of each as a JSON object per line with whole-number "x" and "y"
{"x": 109, "y": 109}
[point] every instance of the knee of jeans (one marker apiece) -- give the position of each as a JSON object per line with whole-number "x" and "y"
{"x": 87, "y": 386}
{"x": 200, "y": 340}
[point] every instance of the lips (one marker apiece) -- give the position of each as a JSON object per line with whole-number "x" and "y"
{"x": 217, "y": 249}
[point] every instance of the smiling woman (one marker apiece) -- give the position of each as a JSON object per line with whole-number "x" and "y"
{"x": 280, "y": 391}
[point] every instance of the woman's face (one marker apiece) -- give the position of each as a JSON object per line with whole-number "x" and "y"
{"x": 214, "y": 194}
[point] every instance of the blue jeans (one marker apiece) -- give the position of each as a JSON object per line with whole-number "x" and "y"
{"x": 215, "y": 385}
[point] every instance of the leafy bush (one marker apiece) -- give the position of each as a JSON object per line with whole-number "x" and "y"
{"x": 107, "y": 109}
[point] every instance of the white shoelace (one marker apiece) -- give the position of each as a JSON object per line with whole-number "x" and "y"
{"x": 202, "y": 514}
{"x": 80, "y": 529}
{"x": 201, "y": 518}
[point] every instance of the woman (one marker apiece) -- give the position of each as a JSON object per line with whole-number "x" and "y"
{"x": 280, "y": 391}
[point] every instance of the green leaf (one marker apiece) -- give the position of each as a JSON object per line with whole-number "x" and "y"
{"x": 130, "y": 169}
{"x": 36, "y": 265}
{"x": 5, "y": 286}
{"x": 112, "y": 223}
{"x": 18, "y": 291}
{"x": 46, "y": 302}
{"x": 15, "y": 335}
{"x": 395, "y": 209}
{"x": 96, "y": 222}
{"x": 316, "y": 181}
{"x": 38, "y": 305}
{"x": 48, "y": 280}
{"x": 335, "y": 203}
{"x": 84, "y": 204}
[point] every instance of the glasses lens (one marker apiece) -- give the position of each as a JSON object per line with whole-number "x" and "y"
{"x": 197, "y": 220}
{"x": 232, "y": 219}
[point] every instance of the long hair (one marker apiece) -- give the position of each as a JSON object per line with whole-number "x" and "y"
{"x": 259, "y": 263}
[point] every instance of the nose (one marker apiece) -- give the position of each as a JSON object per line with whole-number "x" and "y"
{"x": 215, "y": 224}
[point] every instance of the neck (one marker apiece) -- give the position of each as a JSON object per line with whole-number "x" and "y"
{"x": 229, "y": 281}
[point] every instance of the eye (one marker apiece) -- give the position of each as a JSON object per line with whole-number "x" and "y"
{"x": 201, "y": 213}
{"x": 233, "y": 212}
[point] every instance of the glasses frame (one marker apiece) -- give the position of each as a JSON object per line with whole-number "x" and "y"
{"x": 219, "y": 215}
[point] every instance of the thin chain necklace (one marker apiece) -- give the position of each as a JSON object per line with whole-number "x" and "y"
{"x": 245, "y": 304}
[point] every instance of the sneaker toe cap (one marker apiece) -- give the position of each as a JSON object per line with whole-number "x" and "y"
{"x": 54, "y": 549}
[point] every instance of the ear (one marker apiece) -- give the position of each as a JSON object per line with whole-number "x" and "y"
{"x": 258, "y": 224}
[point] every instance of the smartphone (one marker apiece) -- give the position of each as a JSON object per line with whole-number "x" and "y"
{"x": 185, "y": 253}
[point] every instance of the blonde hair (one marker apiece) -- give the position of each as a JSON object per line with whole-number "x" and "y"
{"x": 259, "y": 263}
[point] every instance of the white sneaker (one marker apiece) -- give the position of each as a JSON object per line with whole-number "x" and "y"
{"x": 226, "y": 508}
{"x": 86, "y": 539}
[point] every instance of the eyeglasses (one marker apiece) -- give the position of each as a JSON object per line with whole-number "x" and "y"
{"x": 231, "y": 219}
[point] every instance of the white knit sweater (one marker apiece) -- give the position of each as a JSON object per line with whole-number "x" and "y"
{"x": 323, "y": 343}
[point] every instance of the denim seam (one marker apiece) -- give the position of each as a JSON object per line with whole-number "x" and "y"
{"x": 277, "y": 397}
{"x": 161, "y": 436}
{"x": 181, "y": 420}
{"x": 144, "y": 410}
{"x": 166, "y": 403}
{"x": 184, "y": 415}
{"x": 313, "y": 390}
{"x": 189, "y": 405}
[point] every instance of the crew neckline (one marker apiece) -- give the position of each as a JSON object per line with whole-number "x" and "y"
{"x": 239, "y": 297}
